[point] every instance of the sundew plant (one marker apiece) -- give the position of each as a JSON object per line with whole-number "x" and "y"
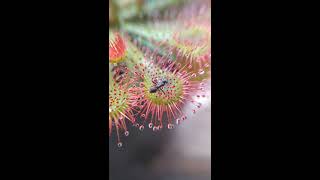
{"x": 159, "y": 63}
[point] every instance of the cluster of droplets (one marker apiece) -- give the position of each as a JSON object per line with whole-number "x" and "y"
{"x": 157, "y": 69}
{"x": 185, "y": 35}
{"x": 121, "y": 109}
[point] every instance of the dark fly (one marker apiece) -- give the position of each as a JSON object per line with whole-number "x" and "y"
{"x": 158, "y": 86}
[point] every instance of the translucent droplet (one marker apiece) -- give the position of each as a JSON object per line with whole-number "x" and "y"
{"x": 199, "y": 106}
{"x": 154, "y": 128}
{"x": 201, "y": 71}
{"x": 170, "y": 126}
{"x": 193, "y": 111}
{"x": 126, "y": 133}
{"x": 141, "y": 128}
{"x": 178, "y": 121}
{"x": 119, "y": 144}
{"x": 150, "y": 125}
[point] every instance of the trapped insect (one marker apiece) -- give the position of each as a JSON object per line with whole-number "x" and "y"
{"x": 159, "y": 63}
{"x": 158, "y": 86}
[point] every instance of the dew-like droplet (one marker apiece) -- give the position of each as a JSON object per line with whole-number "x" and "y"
{"x": 150, "y": 125}
{"x": 141, "y": 128}
{"x": 126, "y": 133}
{"x": 170, "y": 126}
{"x": 178, "y": 121}
{"x": 193, "y": 111}
{"x": 201, "y": 71}
{"x": 119, "y": 144}
{"x": 154, "y": 128}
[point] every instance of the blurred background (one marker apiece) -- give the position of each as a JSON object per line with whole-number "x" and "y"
{"x": 183, "y": 153}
